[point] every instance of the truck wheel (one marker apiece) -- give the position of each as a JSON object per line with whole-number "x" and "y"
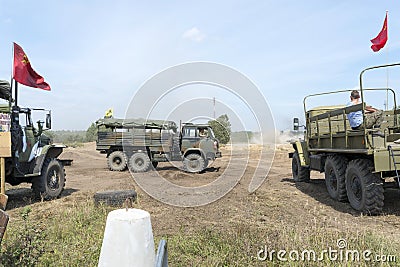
{"x": 116, "y": 161}
{"x": 193, "y": 163}
{"x": 300, "y": 173}
{"x": 335, "y": 170}
{"x": 139, "y": 162}
{"x": 364, "y": 188}
{"x": 51, "y": 182}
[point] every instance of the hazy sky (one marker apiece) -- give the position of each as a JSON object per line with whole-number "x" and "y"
{"x": 96, "y": 54}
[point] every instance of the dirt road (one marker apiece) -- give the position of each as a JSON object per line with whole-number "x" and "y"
{"x": 279, "y": 198}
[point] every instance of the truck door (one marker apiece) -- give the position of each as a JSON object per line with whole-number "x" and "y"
{"x": 190, "y": 138}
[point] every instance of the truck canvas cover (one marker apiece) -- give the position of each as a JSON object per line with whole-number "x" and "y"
{"x": 136, "y": 123}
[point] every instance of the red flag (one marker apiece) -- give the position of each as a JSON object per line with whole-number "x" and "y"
{"x": 23, "y": 72}
{"x": 379, "y": 41}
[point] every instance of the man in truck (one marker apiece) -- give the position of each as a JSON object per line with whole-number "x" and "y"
{"x": 373, "y": 116}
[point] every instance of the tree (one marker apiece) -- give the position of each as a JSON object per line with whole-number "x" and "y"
{"x": 222, "y": 128}
{"x": 91, "y": 133}
{"x": 51, "y": 135}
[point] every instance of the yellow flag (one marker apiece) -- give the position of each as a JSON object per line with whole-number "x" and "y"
{"x": 109, "y": 113}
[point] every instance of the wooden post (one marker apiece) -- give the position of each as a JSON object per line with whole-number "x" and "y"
{"x": 3, "y": 224}
{"x": 5, "y": 151}
{"x": 3, "y": 196}
{"x": 3, "y": 175}
{"x": 3, "y": 201}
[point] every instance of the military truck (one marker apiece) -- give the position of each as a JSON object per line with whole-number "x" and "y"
{"x": 141, "y": 144}
{"x": 358, "y": 164}
{"x": 33, "y": 158}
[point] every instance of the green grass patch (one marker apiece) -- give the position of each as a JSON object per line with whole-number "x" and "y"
{"x": 68, "y": 235}
{"x": 240, "y": 245}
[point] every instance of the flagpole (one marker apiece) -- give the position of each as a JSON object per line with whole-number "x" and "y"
{"x": 387, "y": 71}
{"x": 16, "y": 93}
{"x": 387, "y": 79}
{"x": 11, "y": 80}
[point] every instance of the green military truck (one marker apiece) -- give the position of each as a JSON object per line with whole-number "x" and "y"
{"x": 358, "y": 164}
{"x": 141, "y": 144}
{"x": 32, "y": 157}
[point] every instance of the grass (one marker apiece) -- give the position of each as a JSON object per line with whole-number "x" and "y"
{"x": 69, "y": 232}
{"x": 70, "y": 235}
{"x": 241, "y": 246}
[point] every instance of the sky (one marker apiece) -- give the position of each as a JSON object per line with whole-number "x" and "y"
{"x": 96, "y": 54}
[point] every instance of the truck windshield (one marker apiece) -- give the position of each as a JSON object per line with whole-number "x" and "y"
{"x": 189, "y": 132}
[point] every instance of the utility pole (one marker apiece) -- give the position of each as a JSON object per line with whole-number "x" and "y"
{"x": 214, "y": 106}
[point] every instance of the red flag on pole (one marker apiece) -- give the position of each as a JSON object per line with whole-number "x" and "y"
{"x": 379, "y": 41}
{"x": 23, "y": 72}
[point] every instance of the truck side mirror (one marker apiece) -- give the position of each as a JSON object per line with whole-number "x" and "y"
{"x": 296, "y": 124}
{"x": 48, "y": 121}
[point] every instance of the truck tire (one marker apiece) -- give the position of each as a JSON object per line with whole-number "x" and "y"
{"x": 114, "y": 198}
{"x": 116, "y": 161}
{"x": 300, "y": 173}
{"x": 193, "y": 163}
{"x": 364, "y": 188}
{"x": 139, "y": 162}
{"x": 335, "y": 180}
{"x": 51, "y": 182}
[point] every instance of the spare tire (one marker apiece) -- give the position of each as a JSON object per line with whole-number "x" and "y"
{"x": 114, "y": 198}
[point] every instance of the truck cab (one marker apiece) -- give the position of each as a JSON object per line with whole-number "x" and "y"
{"x": 201, "y": 138}
{"x": 198, "y": 146}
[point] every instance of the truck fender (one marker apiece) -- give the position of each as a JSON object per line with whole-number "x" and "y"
{"x": 49, "y": 151}
{"x": 194, "y": 150}
{"x": 301, "y": 148}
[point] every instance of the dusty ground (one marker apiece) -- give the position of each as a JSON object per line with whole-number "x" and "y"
{"x": 278, "y": 201}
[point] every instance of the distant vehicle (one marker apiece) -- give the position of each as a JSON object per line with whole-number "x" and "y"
{"x": 358, "y": 164}
{"x": 33, "y": 158}
{"x": 141, "y": 144}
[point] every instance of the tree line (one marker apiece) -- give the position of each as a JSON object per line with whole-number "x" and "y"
{"x": 70, "y": 137}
